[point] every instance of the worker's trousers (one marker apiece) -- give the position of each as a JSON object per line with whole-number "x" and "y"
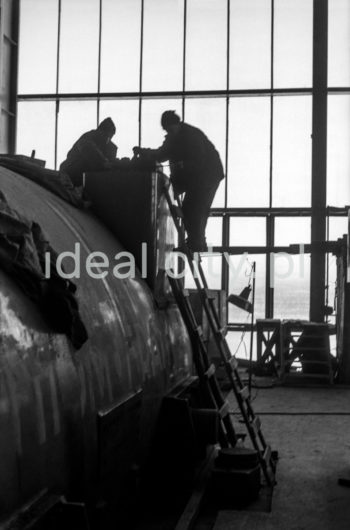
{"x": 196, "y": 208}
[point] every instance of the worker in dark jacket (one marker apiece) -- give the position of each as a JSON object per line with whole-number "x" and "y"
{"x": 196, "y": 171}
{"x": 92, "y": 152}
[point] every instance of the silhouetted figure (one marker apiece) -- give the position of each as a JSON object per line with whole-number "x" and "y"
{"x": 196, "y": 171}
{"x": 92, "y": 152}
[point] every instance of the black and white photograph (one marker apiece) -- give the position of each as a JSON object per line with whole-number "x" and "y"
{"x": 174, "y": 264}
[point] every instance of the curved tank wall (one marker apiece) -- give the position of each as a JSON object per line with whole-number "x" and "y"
{"x": 56, "y": 403}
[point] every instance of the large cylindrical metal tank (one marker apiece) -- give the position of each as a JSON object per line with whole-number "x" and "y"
{"x": 69, "y": 419}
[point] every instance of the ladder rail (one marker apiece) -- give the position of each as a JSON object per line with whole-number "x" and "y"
{"x": 250, "y": 419}
{"x": 209, "y": 385}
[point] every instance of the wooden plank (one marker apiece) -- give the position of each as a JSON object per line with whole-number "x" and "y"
{"x": 192, "y": 508}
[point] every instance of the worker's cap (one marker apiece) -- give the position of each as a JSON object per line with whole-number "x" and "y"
{"x": 107, "y": 126}
{"x": 169, "y": 117}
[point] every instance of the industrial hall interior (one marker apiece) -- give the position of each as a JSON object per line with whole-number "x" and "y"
{"x": 174, "y": 264}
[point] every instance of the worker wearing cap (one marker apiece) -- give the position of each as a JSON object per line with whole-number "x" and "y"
{"x": 196, "y": 171}
{"x": 92, "y": 152}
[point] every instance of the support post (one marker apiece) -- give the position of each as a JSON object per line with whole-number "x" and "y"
{"x": 252, "y": 331}
{"x": 319, "y": 160}
{"x": 9, "y": 24}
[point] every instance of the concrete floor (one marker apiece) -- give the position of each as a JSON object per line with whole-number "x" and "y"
{"x": 310, "y": 428}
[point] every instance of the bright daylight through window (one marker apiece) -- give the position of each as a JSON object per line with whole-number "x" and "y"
{"x": 242, "y": 71}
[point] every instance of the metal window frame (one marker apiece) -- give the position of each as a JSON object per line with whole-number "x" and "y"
{"x": 319, "y": 92}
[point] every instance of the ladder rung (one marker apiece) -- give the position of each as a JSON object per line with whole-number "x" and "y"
{"x": 267, "y": 454}
{"x": 256, "y": 424}
{"x": 210, "y": 372}
{"x": 207, "y": 370}
{"x": 209, "y": 294}
{"x": 221, "y": 332}
{"x": 244, "y": 392}
{"x": 232, "y": 363}
{"x": 224, "y": 410}
{"x": 198, "y": 330}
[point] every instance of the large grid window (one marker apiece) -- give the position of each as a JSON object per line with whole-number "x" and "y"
{"x": 241, "y": 70}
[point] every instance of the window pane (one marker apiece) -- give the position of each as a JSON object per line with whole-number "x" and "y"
{"x": 214, "y": 232}
{"x": 79, "y": 46}
{"x": 152, "y": 134}
{"x": 338, "y": 43}
{"x": 247, "y": 231}
{"x": 36, "y": 130}
{"x": 120, "y": 45}
{"x": 292, "y": 230}
{"x": 338, "y": 226}
{"x": 211, "y": 265}
{"x": 219, "y": 199}
{"x": 125, "y": 114}
{"x": 292, "y": 151}
{"x": 293, "y": 43}
{"x": 290, "y": 274}
{"x": 250, "y": 44}
{"x": 209, "y": 114}
{"x": 291, "y": 280}
{"x": 338, "y": 159}
{"x": 163, "y": 45}
{"x": 38, "y": 46}
{"x": 206, "y": 44}
{"x": 239, "y": 343}
{"x": 75, "y": 118}
{"x": 240, "y": 271}
{"x": 249, "y": 152}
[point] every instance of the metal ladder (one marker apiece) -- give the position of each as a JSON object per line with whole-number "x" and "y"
{"x": 206, "y": 370}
